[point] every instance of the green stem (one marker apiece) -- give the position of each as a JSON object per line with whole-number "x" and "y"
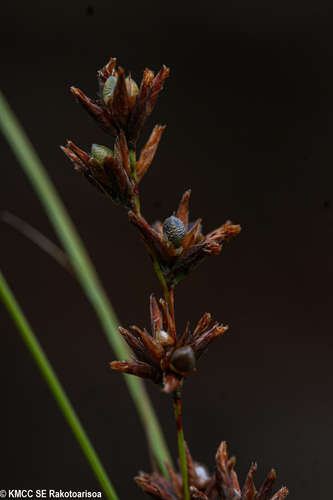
{"x": 177, "y": 406}
{"x": 84, "y": 270}
{"x": 168, "y": 291}
{"x": 132, "y": 156}
{"x": 180, "y": 277}
{"x": 55, "y": 387}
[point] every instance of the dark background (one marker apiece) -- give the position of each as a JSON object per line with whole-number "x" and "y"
{"x": 250, "y": 130}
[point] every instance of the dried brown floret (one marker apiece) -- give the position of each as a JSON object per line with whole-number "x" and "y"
{"x": 176, "y": 263}
{"x": 223, "y": 484}
{"x": 162, "y": 357}
{"x": 123, "y": 108}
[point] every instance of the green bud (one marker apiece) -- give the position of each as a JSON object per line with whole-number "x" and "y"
{"x": 111, "y": 82}
{"x": 109, "y": 86}
{"x": 99, "y": 152}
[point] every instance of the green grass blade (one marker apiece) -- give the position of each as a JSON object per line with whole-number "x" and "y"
{"x": 58, "y": 392}
{"x": 86, "y": 274}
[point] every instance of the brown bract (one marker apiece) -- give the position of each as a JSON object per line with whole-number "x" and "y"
{"x": 113, "y": 175}
{"x": 123, "y": 112}
{"x": 177, "y": 263}
{"x": 155, "y": 354}
{"x": 223, "y": 484}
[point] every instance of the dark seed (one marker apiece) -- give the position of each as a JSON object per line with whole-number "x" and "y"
{"x": 183, "y": 359}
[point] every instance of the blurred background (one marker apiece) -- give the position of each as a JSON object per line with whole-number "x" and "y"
{"x": 249, "y": 114}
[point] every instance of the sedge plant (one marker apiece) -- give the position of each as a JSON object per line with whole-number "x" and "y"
{"x": 175, "y": 246}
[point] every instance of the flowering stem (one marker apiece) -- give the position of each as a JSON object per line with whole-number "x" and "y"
{"x": 177, "y": 406}
{"x": 170, "y": 301}
{"x": 132, "y": 157}
{"x": 168, "y": 291}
